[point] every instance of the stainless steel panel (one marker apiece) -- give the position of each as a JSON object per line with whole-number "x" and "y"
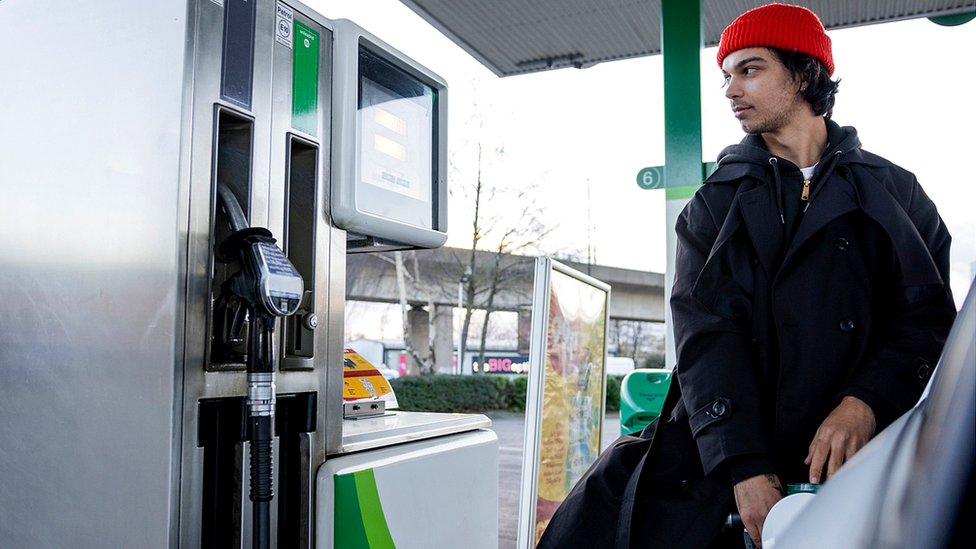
{"x": 91, "y": 317}
{"x": 330, "y": 261}
{"x": 206, "y": 47}
{"x": 263, "y": 65}
{"x": 315, "y": 378}
{"x": 271, "y": 112}
{"x": 330, "y": 243}
{"x": 200, "y": 383}
{"x": 107, "y": 194}
{"x": 331, "y": 400}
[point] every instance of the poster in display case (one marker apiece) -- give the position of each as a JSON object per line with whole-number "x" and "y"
{"x": 566, "y": 392}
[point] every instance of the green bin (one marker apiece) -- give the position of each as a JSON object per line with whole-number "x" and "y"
{"x": 642, "y": 395}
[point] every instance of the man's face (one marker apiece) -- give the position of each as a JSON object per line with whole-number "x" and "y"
{"x": 763, "y": 95}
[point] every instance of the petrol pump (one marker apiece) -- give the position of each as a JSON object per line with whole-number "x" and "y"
{"x": 182, "y": 183}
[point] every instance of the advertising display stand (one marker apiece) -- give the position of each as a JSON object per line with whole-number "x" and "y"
{"x": 566, "y": 393}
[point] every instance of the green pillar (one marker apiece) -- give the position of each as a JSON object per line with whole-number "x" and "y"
{"x": 682, "y": 43}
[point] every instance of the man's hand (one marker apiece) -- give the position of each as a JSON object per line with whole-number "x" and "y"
{"x": 754, "y": 497}
{"x": 845, "y": 431}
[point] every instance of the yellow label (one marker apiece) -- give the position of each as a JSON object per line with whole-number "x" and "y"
{"x": 362, "y": 381}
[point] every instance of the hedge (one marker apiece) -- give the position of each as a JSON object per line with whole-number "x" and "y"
{"x": 477, "y": 393}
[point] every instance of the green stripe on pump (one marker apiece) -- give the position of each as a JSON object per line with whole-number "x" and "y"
{"x": 359, "y": 519}
{"x": 377, "y": 531}
{"x": 305, "y": 80}
{"x": 348, "y": 531}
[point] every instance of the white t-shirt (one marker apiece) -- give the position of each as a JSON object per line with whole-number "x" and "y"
{"x": 808, "y": 172}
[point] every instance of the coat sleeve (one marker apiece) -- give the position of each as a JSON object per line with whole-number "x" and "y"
{"x": 715, "y": 360}
{"x": 894, "y": 375}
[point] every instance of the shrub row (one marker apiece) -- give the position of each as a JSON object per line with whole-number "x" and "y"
{"x": 475, "y": 394}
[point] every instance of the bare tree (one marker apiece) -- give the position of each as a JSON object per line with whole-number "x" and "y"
{"x": 636, "y": 339}
{"x": 615, "y": 335}
{"x": 514, "y": 233}
{"x": 468, "y": 278}
{"x": 505, "y": 220}
{"x": 426, "y": 362}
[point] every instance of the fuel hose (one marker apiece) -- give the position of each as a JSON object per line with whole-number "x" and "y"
{"x": 268, "y": 295}
{"x": 261, "y": 405}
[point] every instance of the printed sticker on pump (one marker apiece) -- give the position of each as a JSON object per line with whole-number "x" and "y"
{"x": 362, "y": 381}
{"x": 284, "y": 24}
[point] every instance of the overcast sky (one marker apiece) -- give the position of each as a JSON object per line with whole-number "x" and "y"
{"x": 907, "y": 87}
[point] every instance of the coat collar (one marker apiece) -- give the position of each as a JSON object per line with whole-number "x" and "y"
{"x": 918, "y": 269}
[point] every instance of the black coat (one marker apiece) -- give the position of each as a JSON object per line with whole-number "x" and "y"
{"x": 774, "y": 333}
{"x": 777, "y": 315}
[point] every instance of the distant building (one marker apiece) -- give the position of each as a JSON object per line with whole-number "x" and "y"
{"x": 501, "y": 357}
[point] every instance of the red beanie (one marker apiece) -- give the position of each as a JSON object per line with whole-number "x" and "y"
{"x": 791, "y": 28}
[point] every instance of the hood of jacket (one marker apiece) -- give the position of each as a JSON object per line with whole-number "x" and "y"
{"x": 737, "y": 160}
{"x": 751, "y": 159}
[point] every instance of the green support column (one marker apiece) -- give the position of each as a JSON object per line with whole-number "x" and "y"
{"x": 681, "y": 46}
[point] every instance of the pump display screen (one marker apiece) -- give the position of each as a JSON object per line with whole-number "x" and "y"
{"x": 397, "y": 120}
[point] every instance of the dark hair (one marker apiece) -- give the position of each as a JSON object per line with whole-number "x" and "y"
{"x": 813, "y": 72}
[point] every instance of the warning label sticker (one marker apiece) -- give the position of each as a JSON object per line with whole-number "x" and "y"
{"x": 284, "y": 24}
{"x": 361, "y": 381}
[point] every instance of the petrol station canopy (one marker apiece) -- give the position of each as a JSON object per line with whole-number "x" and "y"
{"x": 513, "y": 37}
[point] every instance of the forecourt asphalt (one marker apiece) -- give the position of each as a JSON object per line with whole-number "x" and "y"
{"x": 510, "y": 428}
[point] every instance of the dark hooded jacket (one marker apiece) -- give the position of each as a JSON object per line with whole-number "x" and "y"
{"x": 781, "y": 307}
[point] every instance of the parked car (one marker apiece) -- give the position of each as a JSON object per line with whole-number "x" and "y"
{"x": 619, "y": 365}
{"x": 912, "y": 485}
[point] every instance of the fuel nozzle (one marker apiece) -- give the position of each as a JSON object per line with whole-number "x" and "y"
{"x": 267, "y": 281}
{"x": 271, "y": 287}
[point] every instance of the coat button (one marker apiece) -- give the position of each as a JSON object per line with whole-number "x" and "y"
{"x": 923, "y": 372}
{"x": 842, "y": 244}
{"x": 718, "y": 409}
{"x": 685, "y": 485}
{"x": 846, "y": 325}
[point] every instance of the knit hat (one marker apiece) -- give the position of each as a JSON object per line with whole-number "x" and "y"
{"x": 792, "y": 28}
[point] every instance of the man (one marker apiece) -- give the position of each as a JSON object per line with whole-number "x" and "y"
{"x": 811, "y": 301}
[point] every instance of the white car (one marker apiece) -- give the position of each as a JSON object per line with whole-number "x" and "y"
{"x": 912, "y": 485}
{"x": 619, "y": 365}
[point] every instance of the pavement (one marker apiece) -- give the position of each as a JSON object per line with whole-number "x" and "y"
{"x": 510, "y": 429}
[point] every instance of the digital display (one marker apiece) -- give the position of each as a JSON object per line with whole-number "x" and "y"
{"x": 389, "y": 184}
{"x": 396, "y": 142}
{"x": 390, "y": 147}
{"x": 390, "y": 121}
